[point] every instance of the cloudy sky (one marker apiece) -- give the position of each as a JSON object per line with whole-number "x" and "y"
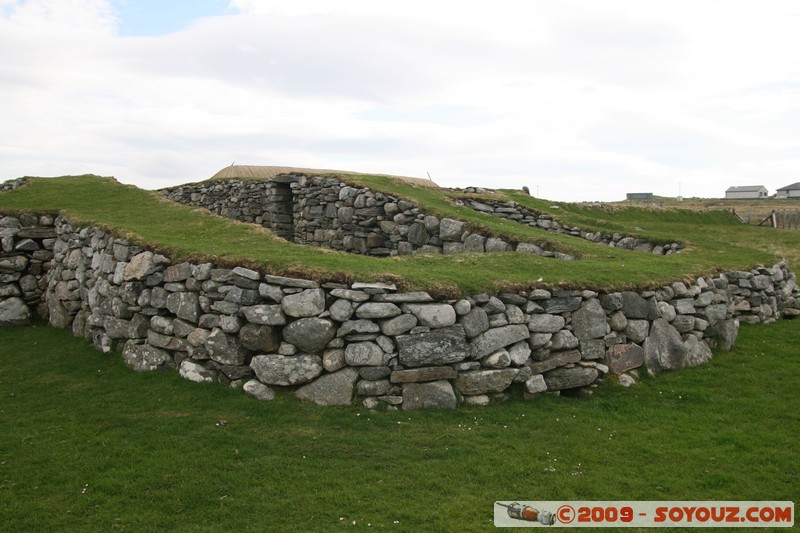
{"x": 578, "y": 99}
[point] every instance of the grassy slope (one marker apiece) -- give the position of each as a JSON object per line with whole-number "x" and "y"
{"x": 88, "y": 445}
{"x": 713, "y": 241}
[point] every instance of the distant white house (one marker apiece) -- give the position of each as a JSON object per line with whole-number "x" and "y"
{"x": 790, "y": 191}
{"x": 746, "y": 192}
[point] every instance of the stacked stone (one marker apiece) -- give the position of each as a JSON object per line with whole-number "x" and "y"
{"x": 511, "y": 210}
{"x": 26, "y": 249}
{"x": 327, "y": 212}
{"x": 332, "y": 343}
{"x": 10, "y": 185}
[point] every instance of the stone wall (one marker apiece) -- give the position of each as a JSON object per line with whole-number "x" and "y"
{"x": 337, "y": 344}
{"x": 327, "y": 212}
{"x": 513, "y": 211}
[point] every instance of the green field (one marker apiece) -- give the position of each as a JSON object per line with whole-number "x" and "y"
{"x": 88, "y": 445}
{"x": 713, "y": 241}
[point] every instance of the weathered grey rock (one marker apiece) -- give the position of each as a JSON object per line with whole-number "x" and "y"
{"x": 197, "y": 337}
{"x": 429, "y": 373}
{"x": 683, "y": 323}
{"x": 240, "y": 296}
{"x": 258, "y": 390}
{"x": 494, "y": 339}
{"x": 291, "y": 282}
{"x": 722, "y": 335}
{"x": 333, "y": 359}
{"x": 535, "y": 384}
{"x": 498, "y": 359}
{"x": 195, "y": 372}
{"x": 589, "y": 322}
{"x": 433, "y": 315}
{"x": 368, "y": 387}
{"x": 351, "y": 295}
{"x": 539, "y": 340}
{"x": 480, "y": 400}
{"x": 494, "y": 244}
{"x": 684, "y": 306}
{"x": 697, "y": 351}
{"x": 14, "y": 263}
{"x": 14, "y": 312}
{"x": 330, "y": 389}
{"x": 225, "y": 349}
{"x": 637, "y": 330}
{"x": 475, "y": 244}
{"x": 374, "y": 372}
{"x": 451, "y": 230}
{"x": 519, "y": 353}
{"x": 185, "y": 305}
{"x": 635, "y": 307}
{"x": 143, "y": 357}
{"x": 377, "y": 310}
{"x": 161, "y": 324}
{"x": 667, "y": 311}
{"x": 357, "y": 326}
{"x": 274, "y": 369}
{"x": 561, "y": 305}
{"x": 438, "y": 347}
{"x": 529, "y": 248}
{"x": 555, "y": 360}
{"x": 563, "y": 340}
{"x": 485, "y": 381}
{"x": 179, "y": 272}
{"x": 364, "y": 353}
{"x": 431, "y": 395}
{"x": 593, "y": 349}
{"x": 264, "y": 315}
{"x": 623, "y": 357}
{"x": 58, "y": 316}
{"x": 310, "y": 302}
{"x": 260, "y": 339}
{"x": 341, "y": 310}
{"x": 546, "y": 323}
{"x": 142, "y": 265}
{"x": 310, "y": 335}
{"x": 664, "y": 348}
{"x": 612, "y": 301}
{"x": 230, "y": 324}
{"x": 475, "y": 322}
{"x": 417, "y": 234}
{"x": 715, "y": 313}
{"x": 570, "y": 378}
{"x": 398, "y": 325}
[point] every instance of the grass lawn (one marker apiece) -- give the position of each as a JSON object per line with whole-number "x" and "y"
{"x": 88, "y": 445}
{"x": 713, "y": 240}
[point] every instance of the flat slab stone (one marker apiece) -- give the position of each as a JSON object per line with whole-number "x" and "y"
{"x": 432, "y": 395}
{"x": 555, "y": 360}
{"x": 416, "y": 375}
{"x": 438, "y": 347}
{"x": 570, "y": 378}
{"x": 492, "y": 340}
{"x": 404, "y": 297}
{"x": 485, "y": 381}
{"x": 291, "y": 282}
{"x": 336, "y": 388}
{"x": 274, "y": 369}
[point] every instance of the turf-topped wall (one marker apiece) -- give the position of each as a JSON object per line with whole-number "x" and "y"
{"x": 511, "y": 210}
{"x": 336, "y": 344}
{"x": 324, "y": 211}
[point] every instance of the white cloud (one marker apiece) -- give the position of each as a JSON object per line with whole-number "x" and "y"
{"x": 588, "y": 100}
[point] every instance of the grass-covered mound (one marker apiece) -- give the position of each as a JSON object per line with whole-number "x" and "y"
{"x": 713, "y": 241}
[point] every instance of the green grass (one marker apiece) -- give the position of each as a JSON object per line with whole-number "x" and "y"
{"x": 88, "y": 445}
{"x": 713, "y": 240}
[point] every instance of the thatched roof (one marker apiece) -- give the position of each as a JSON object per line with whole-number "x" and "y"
{"x": 267, "y": 173}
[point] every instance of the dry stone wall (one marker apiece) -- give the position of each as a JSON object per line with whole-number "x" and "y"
{"x": 336, "y": 344}
{"x": 327, "y": 212}
{"x": 511, "y": 210}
